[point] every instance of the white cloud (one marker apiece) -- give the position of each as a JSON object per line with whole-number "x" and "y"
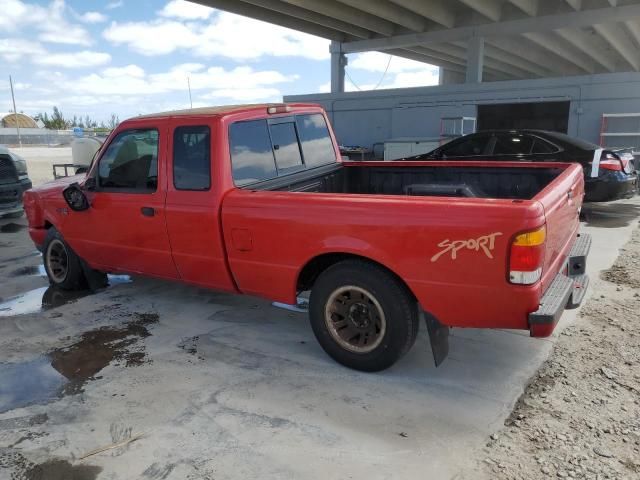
{"x": 245, "y": 94}
{"x": 131, "y": 81}
{"x": 377, "y": 62}
{"x": 14, "y": 49}
{"x": 400, "y": 72}
{"x": 129, "y": 90}
{"x": 114, "y": 4}
{"x": 83, "y": 59}
{"x": 92, "y": 17}
{"x": 185, "y": 10}
{"x": 133, "y": 71}
{"x": 49, "y": 21}
{"x": 220, "y": 37}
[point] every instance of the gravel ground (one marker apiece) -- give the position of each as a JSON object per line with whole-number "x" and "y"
{"x": 580, "y": 415}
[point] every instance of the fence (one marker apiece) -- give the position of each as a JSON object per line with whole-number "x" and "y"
{"x": 41, "y": 136}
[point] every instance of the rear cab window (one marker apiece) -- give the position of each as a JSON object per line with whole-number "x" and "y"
{"x": 192, "y": 158}
{"x": 269, "y": 148}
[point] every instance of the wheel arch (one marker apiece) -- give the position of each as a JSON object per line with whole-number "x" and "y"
{"x": 318, "y": 264}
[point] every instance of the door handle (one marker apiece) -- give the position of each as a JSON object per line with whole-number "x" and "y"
{"x": 148, "y": 211}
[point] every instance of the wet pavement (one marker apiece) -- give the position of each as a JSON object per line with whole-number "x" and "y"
{"x": 46, "y": 298}
{"x": 12, "y": 227}
{"x": 56, "y": 469}
{"x": 229, "y": 387}
{"x": 65, "y": 370}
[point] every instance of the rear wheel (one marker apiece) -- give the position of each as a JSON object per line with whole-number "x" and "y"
{"x": 362, "y": 315}
{"x": 62, "y": 265}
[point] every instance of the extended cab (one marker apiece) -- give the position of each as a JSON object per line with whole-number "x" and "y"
{"x": 255, "y": 200}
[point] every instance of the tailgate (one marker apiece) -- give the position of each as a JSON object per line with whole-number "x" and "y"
{"x": 562, "y": 202}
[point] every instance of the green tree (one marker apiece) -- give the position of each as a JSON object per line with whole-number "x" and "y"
{"x": 113, "y": 121}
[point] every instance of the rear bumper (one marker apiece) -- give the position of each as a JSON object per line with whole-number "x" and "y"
{"x": 611, "y": 186}
{"x": 566, "y": 291}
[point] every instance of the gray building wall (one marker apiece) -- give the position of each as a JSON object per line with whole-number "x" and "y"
{"x": 364, "y": 118}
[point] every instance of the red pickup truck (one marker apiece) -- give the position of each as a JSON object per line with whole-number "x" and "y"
{"x": 256, "y": 200}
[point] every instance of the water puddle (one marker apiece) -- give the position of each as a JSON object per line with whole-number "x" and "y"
{"x": 11, "y": 228}
{"x": 28, "y": 383}
{"x": 65, "y": 371}
{"x": 55, "y": 469}
{"x": 45, "y": 298}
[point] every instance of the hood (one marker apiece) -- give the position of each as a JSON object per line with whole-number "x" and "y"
{"x": 59, "y": 184}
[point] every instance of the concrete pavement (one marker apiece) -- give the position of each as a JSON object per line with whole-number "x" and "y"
{"x": 231, "y": 387}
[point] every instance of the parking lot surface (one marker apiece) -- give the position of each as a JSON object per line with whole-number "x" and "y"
{"x": 152, "y": 379}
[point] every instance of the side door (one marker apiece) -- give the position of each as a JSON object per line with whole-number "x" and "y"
{"x": 125, "y": 228}
{"x": 193, "y": 204}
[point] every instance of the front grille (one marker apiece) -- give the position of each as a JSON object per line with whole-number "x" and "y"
{"x": 9, "y": 197}
{"x": 7, "y": 171}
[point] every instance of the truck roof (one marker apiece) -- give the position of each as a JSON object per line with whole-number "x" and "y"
{"x": 223, "y": 109}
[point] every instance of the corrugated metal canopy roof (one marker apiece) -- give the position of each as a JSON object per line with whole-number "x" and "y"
{"x": 523, "y": 38}
{"x": 10, "y": 119}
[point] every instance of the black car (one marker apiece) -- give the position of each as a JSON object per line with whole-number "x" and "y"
{"x": 615, "y": 178}
{"x": 13, "y": 182}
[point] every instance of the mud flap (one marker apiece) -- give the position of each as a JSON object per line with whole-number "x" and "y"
{"x": 438, "y": 337}
{"x": 95, "y": 280}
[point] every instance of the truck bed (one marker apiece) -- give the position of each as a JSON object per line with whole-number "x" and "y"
{"x": 426, "y": 179}
{"x": 366, "y": 209}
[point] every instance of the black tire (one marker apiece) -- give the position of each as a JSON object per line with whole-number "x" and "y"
{"x": 14, "y": 214}
{"x": 63, "y": 266}
{"x": 360, "y": 289}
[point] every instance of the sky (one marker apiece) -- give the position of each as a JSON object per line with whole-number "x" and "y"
{"x": 132, "y": 57}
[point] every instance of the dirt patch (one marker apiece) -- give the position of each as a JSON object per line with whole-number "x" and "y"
{"x": 580, "y": 416}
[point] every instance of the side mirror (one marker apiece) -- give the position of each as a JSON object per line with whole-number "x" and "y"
{"x": 75, "y": 198}
{"x": 90, "y": 184}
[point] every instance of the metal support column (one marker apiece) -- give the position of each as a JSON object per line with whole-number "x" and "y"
{"x": 475, "y": 59}
{"x": 338, "y": 63}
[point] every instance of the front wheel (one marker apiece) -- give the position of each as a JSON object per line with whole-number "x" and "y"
{"x": 62, "y": 265}
{"x": 362, "y": 315}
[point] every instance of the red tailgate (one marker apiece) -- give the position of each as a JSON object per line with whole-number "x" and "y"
{"x": 562, "y": 201}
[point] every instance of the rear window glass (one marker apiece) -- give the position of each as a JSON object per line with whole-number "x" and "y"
{"x": 576, "y": 142}
{"x": 191, "y": 158}
{"x": 473, "y": 145}
{"x": 251, "y": 155}
{"x": 540, "y": 146}
{"x": 285, "y": 146}
{"x": 317, "y": 146}
{"x": 512, "y": 144}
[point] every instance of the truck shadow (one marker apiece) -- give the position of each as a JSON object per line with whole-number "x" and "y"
{"x": 610, "y": 214}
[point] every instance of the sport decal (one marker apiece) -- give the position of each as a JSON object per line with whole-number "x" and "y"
{"x": 486, "y": 244}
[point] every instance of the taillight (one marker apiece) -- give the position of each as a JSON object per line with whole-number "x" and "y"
{"x": 527, "y": 256}
{"x": 609, "y": 162}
